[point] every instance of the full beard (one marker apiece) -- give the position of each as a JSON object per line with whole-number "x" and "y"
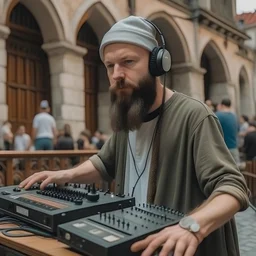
{"x": 128, "y": 111}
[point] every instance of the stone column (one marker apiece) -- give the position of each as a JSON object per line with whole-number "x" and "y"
{"x": 67, "y": 84}
{"x": 4, "y": 32}
{"x": 219, "y": 91}
{"x": 188, "y": 79}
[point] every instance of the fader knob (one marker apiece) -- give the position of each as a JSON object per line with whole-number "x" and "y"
{"x": 93, "y": 196}
{"x": 78, "y": 201}
{"x": 16, "y": 189}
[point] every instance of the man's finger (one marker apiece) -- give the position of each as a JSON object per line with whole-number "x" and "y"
{"x": 46, "y": 182}
{"x": 168, "y": 248}
{"x": 180, "y": 248}
{"x": 140, "y": 245}
{"x": 155, "y": 244}
{"x": 191, "y": 250}
{"x": 34, "y": 180}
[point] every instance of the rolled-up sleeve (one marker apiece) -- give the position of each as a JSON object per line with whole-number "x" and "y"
{"x": 216, "y": 169}
{"x": 104, "y": 161}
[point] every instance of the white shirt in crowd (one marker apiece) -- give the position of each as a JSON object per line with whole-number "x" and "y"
{"x": 45, "y": 124}
{"x": 21, "y": 142}
{"x": 5, "y": 129}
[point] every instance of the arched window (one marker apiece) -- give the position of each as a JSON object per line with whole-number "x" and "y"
{"x": 27, "y": 68}
{"x": 88, "y": 39}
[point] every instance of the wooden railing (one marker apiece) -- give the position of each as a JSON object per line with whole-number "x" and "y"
{"x": 249, "y": 173}
{"x": 15, "y": 166}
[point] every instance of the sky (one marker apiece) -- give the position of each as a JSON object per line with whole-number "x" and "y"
{"x": 245, "y": 6}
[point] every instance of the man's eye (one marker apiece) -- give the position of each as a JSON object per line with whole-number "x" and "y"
{"x": 110, "y": 66}
{"x": 128, "y": 61}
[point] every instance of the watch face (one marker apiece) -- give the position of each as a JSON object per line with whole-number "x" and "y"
{"x": 195, "y": 227}
{"x": 186, "y": 222}
{"x": 189, "y": 224}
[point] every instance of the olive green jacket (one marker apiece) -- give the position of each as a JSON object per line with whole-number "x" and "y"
{"x": 194, "y": 164}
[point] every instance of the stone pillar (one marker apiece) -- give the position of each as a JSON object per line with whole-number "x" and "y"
{"x": 4, "y": 32}
{"x": 67, "y": 84}
{"x": 188, "y": 79}
{"x": 219, "y": 91}
{"x": 232, "y": 94}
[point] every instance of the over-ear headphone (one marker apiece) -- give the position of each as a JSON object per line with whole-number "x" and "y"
{"x": 160, "y": 58}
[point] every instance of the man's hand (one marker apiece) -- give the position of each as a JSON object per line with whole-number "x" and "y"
{"x": 46, "y": 177}
{"x": 173, "y": 239}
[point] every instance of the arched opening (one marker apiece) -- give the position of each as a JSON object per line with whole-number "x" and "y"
{"x": 216, "y": 76}
{"x": 87, "y": 38}
{"x": 96, "y": 82}
{"x": 27, "y": 68}
{"x": 206, "y": 64}
{"x": 47, "y": 17}
{"x": 244, "y": 92}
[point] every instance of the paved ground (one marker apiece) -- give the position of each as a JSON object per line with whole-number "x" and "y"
{"x": 246, "y": 226}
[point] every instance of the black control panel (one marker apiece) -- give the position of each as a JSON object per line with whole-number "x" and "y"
{"x": 113, "y": 233}
{"x": 54, "y": 205}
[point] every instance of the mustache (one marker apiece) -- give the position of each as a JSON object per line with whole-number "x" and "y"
{"x": 120, "y": 85}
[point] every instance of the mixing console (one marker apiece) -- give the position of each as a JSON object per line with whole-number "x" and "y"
{"x": 55, "y": 205}
{"x": 113, "y": 233}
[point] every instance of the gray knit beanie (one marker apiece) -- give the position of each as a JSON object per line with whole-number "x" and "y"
{"x": 132, "y": 30}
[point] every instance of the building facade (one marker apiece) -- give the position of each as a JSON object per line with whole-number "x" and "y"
{"x": 247, "y": 22}
{"x": 49, "y": 50}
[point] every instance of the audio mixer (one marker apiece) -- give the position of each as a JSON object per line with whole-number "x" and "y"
{"x": 54, "y": 205}
{"x": 113, "y": 233}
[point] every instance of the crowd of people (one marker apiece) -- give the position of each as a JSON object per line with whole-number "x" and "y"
{"x": 46, "y": 136}
{"x": 239, "y": 132}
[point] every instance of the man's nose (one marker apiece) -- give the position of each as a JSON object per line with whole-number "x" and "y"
{"x": 118, "y": 73}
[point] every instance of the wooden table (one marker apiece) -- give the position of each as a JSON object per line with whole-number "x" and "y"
{"x": 36, "y": 245}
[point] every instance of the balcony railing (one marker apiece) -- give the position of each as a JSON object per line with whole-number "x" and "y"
{"x": 15, "y": 166}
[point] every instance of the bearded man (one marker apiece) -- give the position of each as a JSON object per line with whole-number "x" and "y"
{"x": 166, "y": 149}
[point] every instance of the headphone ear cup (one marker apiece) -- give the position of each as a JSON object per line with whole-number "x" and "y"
{"x": 153, "y": 60}
{"x": 164, "y": 61}
{"x": 159, "y": 61}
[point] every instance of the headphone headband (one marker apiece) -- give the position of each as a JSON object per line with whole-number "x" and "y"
{"x": 159, "y": 32}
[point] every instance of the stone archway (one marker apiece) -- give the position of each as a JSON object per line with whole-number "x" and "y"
{"x": 51, "y": 30}
{"x": 245, "y": 93}
{"x": 95, "y": 79}
{"x": 28, "y": 80}
{"x": 216, "y": 77}
{"x": 46, "y": 15}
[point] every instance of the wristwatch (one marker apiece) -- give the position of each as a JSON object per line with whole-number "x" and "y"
{"x": 189, "y": 224}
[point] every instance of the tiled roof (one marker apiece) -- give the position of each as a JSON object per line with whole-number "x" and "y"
{"x": 247, "y": 18}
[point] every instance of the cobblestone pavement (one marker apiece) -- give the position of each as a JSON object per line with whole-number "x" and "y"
{"x": 246, "y": 227}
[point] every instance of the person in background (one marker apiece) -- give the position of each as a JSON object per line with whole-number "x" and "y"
{"x": 243, "y": 126}
{"x": 65, "y": 141}
{"x": 229, "y": 124}
{"x": 84, "y": 141}
{"x": 22, "y": 141}
{"x": 6, "y": 136}
{"x": 44, "y": 130}
{"x": 250, "y": 142}
{"x": 99, "y": 139}
{"x": 210, "y": 104}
